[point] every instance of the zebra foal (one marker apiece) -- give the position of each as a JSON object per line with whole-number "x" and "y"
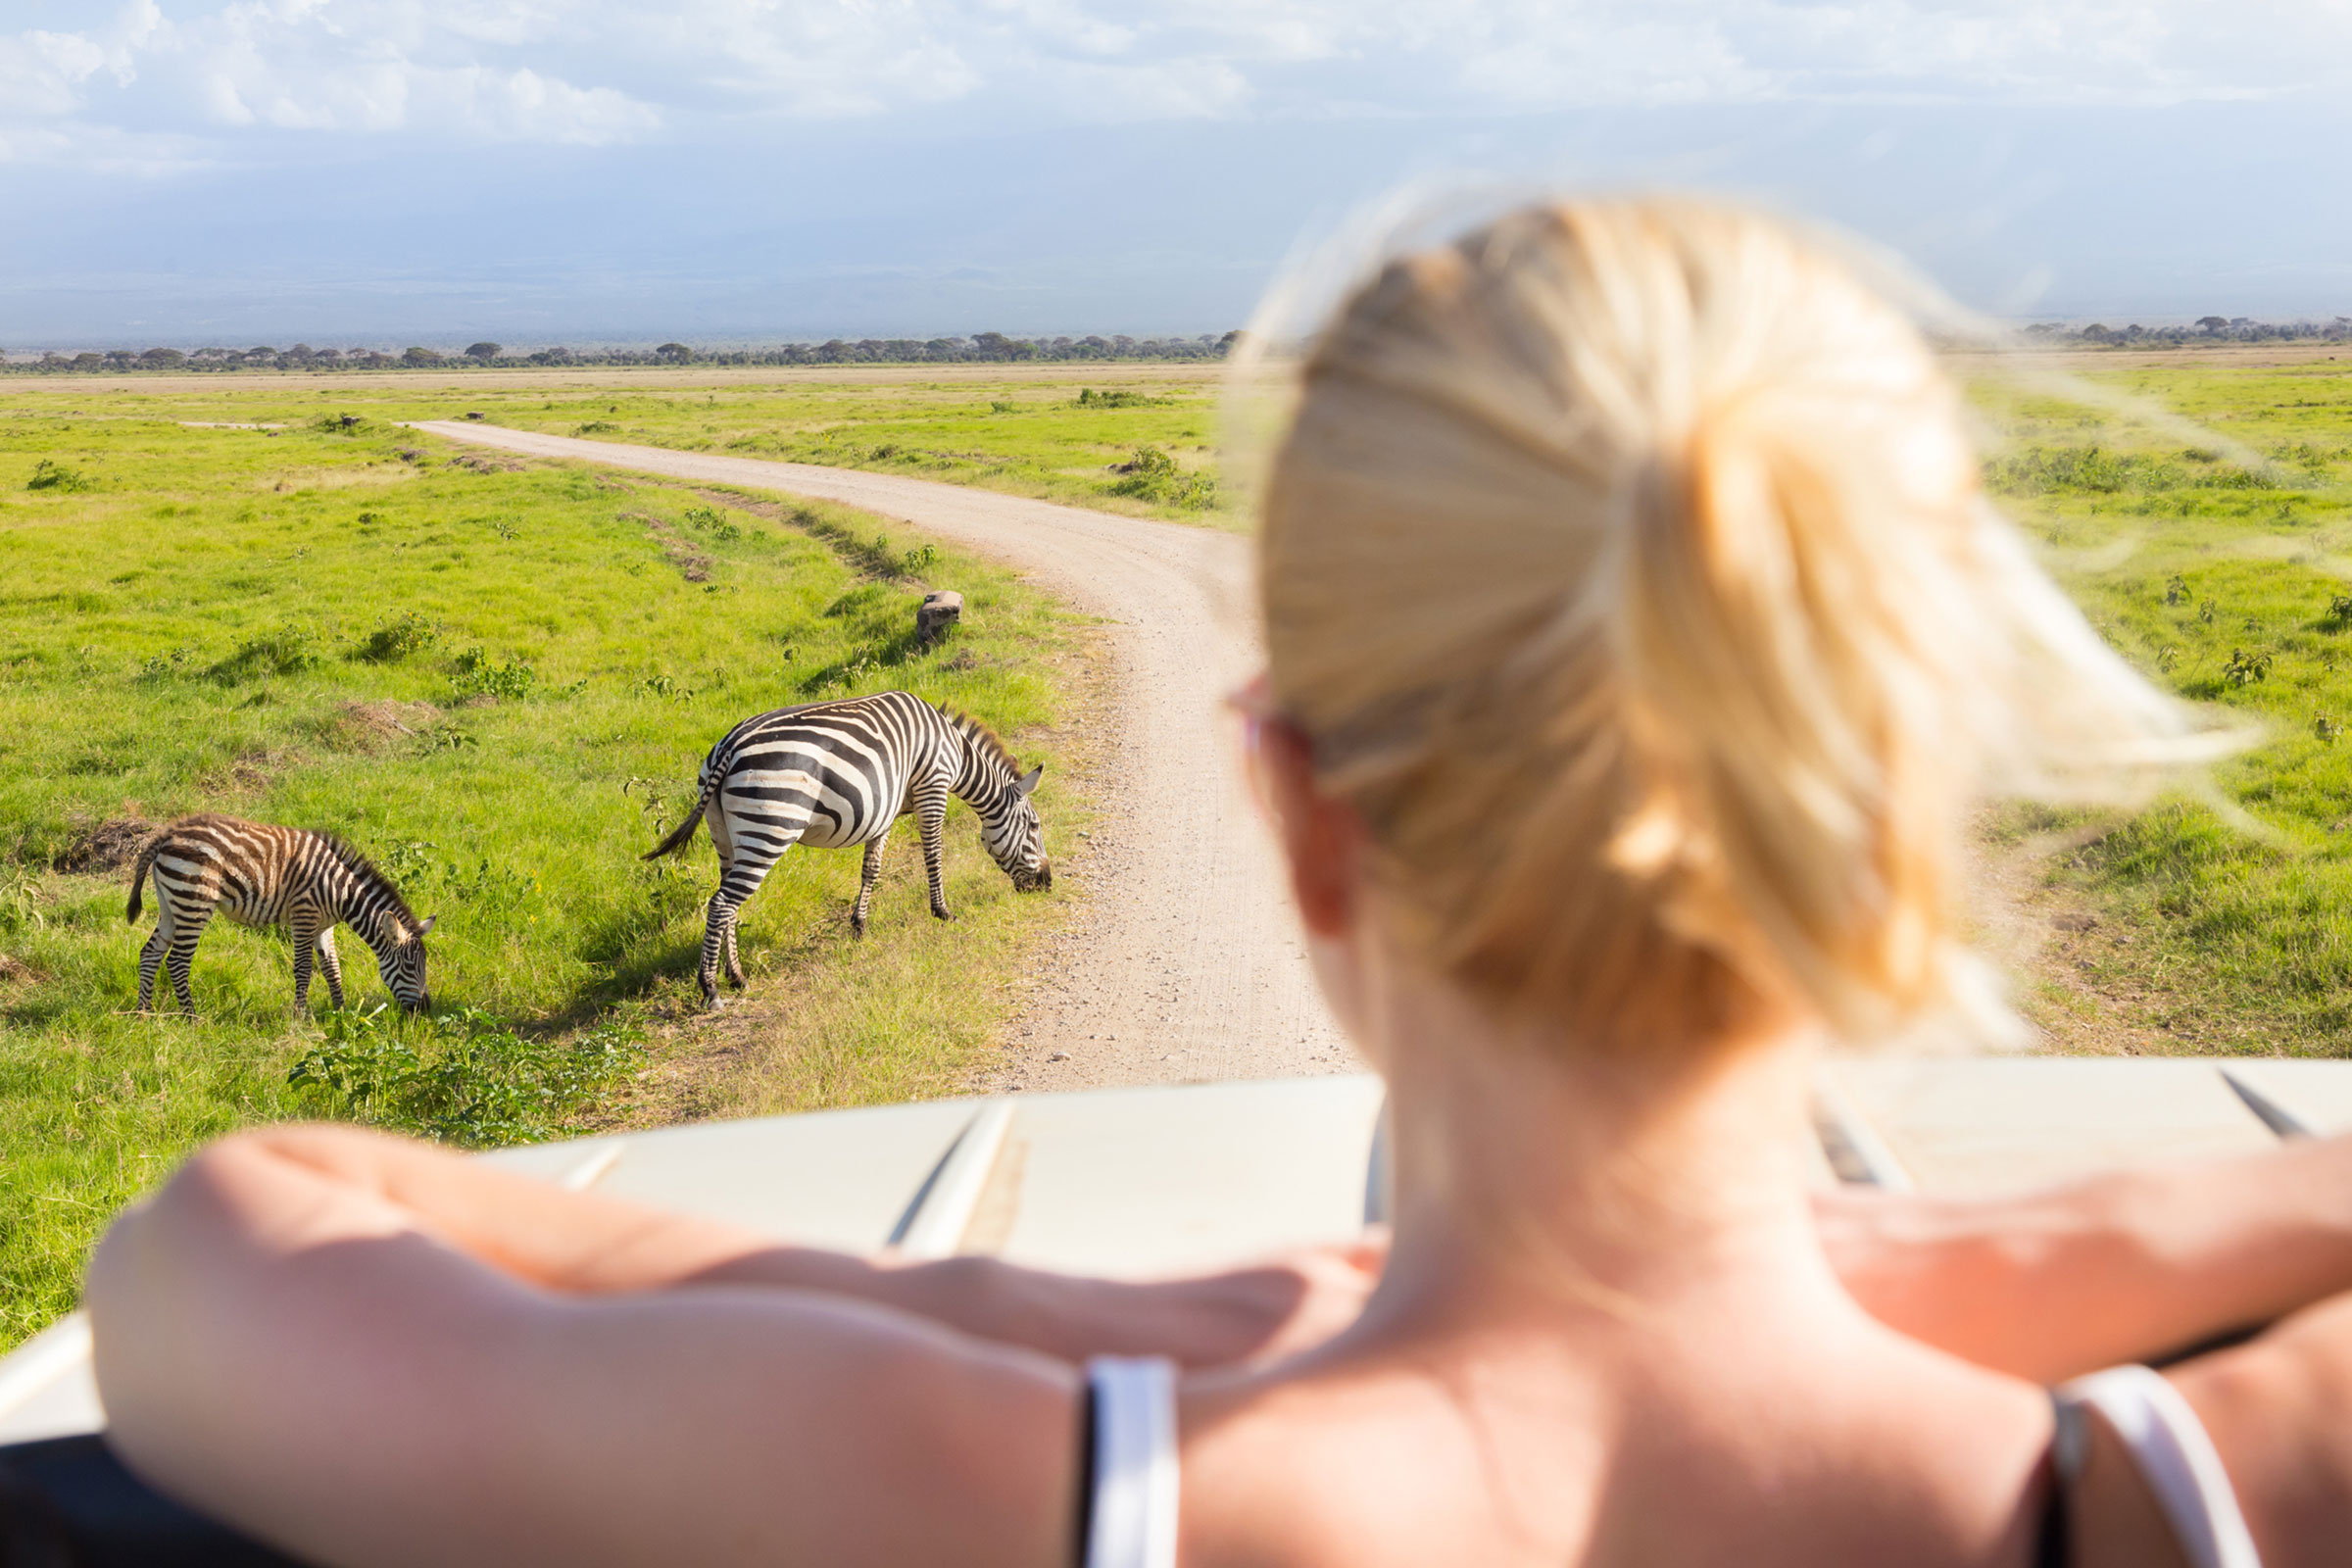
{"x": 260, "y": 875}
{"x": 833, "y": 774}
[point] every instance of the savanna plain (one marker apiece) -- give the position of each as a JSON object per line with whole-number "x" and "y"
{"x": 262, "y": 594}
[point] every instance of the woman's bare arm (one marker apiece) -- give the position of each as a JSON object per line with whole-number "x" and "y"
{"x": 590, "y": 1244}
{"x": 2135, "y": 1265}
{"x": 258, "y": 1313}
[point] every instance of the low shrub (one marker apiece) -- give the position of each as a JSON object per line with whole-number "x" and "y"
{"x": 478, "y": 674}
{"x": 461, "y": 1077}
{"x": 1153, "y": 475}
{"x": 48, "y": 475}
{"x": 713, "y": 521}
{"x": 287, "y": 649}
{"x": 398, "y": 638}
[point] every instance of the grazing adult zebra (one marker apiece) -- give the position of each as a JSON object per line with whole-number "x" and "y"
{"x": 833, "y": 774}
{"x": 260, "y": 875}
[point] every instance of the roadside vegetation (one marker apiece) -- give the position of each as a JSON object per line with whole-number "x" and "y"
{"x": 497, "y": 679}
{"x": 1138, "y": 440}
{"x": 2219, "y": 556}
{"x": 1146, "y": 449}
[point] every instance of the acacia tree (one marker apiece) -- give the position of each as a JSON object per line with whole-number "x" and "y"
{"x": 674, "y": 354}
{"x": 482, "y": 351}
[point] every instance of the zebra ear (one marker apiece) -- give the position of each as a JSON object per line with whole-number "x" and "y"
{"x": 431, "y": 921}
{"x": 1028, "y": 781}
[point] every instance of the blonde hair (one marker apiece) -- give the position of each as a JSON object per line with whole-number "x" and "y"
{"x": 1626, "y": 564}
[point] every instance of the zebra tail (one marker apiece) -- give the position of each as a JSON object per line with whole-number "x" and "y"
{"x": 138, "y": 876}
{"x": 681, "y": 834}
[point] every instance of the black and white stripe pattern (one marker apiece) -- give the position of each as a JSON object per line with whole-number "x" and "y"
{"x": 260, "y": 875}
{"x": 833, "y": 774}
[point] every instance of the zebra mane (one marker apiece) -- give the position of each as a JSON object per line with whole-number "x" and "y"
{"x": 983, "y": 739}
{"x": 364, "y": 868}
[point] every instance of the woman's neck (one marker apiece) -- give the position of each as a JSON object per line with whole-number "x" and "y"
{"x": 1625, "y": 1186}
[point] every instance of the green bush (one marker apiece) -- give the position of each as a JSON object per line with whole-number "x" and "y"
{"x": 2096, "y": 471}
{"x": 398, "y": 638}
{"x": 479, "y": 676}
{"x": 49, "y": 475}
{"x": 713, "y": 521}
{"x": 1153, "y": 475}
{"x": 287, "y": 649}
{"x": 462, "y": 1077}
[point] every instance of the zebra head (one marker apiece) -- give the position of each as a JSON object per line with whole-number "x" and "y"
{"x": 1014, "y": 836}
{"x": 400, "y": 960}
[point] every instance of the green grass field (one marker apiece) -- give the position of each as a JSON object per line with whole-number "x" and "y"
{"x": 2220, "y": 559}
{"x": 1139, "y": 442}
{"x": 1148, "y": 450}
{"x": 497, "y": 677}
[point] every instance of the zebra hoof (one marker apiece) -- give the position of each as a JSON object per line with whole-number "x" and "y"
{"x": 942, "y": 914}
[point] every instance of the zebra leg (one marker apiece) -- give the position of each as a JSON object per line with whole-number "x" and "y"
{"x": 181, "y": 954}
{"x": 931, "y": 817}
{"x": 741, "y": 877}
{"x": 330, "y": 967}
{"x": 868, "y": 873}
{"x": 735, "y": 979}
{"x": 305, "y": 938}
{"x": 718, "y": 935}
{"x": 151, "y": 957}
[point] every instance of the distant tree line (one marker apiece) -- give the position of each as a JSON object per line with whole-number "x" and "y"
{"x": 2205, "y": 329}
{"x": 980, "y": 348}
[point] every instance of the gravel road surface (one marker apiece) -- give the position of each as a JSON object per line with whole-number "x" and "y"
{"x": 1185, "y": 964}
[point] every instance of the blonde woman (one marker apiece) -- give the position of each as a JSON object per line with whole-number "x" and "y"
{"x": 1637, "y": 636}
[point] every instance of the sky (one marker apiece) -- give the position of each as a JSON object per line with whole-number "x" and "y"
{"x": 728, "y": 172}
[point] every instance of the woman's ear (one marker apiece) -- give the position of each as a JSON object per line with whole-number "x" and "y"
{"x": 1322, "y": 838}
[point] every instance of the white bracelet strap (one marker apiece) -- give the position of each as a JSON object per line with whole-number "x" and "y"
{"x": 2177, "y": 1458}
{"x": 1134, "y": 1513}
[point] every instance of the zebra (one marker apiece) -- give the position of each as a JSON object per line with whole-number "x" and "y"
{"x": 260, "y": 875}
{"x": 838, "y": 774}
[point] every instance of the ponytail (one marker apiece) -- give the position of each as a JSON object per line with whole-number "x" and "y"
{"x": 1627, "y": 563}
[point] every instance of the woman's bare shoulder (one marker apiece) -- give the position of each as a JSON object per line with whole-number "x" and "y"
{"x": 1496, "y": 1461}
{"x": 2274, "y": 1408}
{"x": 1367, "y": 1466}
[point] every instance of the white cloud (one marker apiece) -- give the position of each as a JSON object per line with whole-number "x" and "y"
{"x": 310, "y": 65}
{"x": 611, "y": 71}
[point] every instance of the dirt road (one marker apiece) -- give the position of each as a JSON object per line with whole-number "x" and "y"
{"x": 1186, "y": 964}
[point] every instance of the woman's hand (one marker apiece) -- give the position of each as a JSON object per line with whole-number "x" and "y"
{"x": 1250, "y": 1316}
